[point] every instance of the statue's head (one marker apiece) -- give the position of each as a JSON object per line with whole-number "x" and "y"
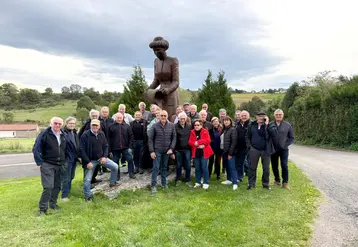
{"x": 159, "y": 46}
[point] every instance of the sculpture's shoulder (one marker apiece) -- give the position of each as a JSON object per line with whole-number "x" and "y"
{"x": 173, "y": 60}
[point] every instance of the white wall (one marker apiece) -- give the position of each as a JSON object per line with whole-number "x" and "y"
{"x": 7, "y": 134}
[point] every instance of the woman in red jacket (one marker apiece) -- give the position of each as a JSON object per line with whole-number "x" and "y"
{"x": 199, "y": 140}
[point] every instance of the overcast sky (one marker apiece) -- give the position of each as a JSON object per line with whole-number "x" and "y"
{"x": 259, "y": 44}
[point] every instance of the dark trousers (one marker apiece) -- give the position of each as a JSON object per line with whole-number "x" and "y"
{"x": 255, "y": 155}
{"x": 215, "y": 159}
{"x": 240, "y": 164}
{"x": 67, "y": 177}
{"x": 183, "y": 160}
{"x": 125, "y": 154}
{"x": 283, "y": 155}
{"x": 51, "y": 183}
{"x": 160, "y": 162}
{"x": 138, "y": 151}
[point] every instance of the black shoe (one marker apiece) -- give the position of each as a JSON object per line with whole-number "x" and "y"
{"x": 42, "y": 212}
{"x": 89, "y": 199}
{"x": 136, "y": 171}
{"x": 218, "y": 178}
{"x": 250, "y": 187}
{"x": 56, "y": 207}
{"x": 105, "y": 170}
{"x": 266, "y": 187}
{"x": 94, "y": 181}
{"x": 132, "y": 176}
{"x": 141, "y": 171}
{"x": 126, "y": 173}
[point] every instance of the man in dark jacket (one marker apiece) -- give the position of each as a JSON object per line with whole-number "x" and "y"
{"x": 161, "y": 141}
{"x": 72, "y": 152}
{"x": 259, "y": 140}
{"x": 94, "y": 152}
{"x": 241, "y": 148}
{"x": 203, "y": 117}
{"x": 105, "y": 120}
{"x": 121, "y": 141}
{"x": 282, "y": 140}
{"x": 182, "y": 149}
{"x": 209, "y": 115}
{"x": 50, "y": 154}
{"x": 139, "y": 130}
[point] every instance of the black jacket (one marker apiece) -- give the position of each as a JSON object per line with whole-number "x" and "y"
{"x": 268, "y": 132}
{"x": 229, "y": 141}
{"x": 46, "y": 148}
{"x": 183, "y": 134}
{"x": 241, "y": 130}
{"x": 120, "y": 136}
{"x": 282, "y": 135}
{"x": 72, "y": 148}
{"x": 86, "y": 126}
{"x": 139, "y": 129}
{"x": 105, "y": 123}
{"x": 93, "y": 147}
{"x": 162, "y": 138}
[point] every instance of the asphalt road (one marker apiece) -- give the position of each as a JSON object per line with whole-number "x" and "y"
{"x": 18, "y": 165}
{"x": 335, "y": 173}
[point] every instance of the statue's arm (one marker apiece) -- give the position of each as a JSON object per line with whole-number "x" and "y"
{"x": 175, "y": 75}
{"x": 155, "y": 82}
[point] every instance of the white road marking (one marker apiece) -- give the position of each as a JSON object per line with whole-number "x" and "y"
{"x": 22, "y": 164}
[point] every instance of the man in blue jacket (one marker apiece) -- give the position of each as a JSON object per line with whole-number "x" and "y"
{"x": 50, "y": 154}
{"x": 282, "y": 140}
{"x": 94, "y": 152}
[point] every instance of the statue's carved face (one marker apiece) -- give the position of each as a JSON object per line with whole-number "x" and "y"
{"x": 160, "y": 53}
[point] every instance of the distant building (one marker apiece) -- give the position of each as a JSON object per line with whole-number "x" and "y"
{"x": 19, "y": 130}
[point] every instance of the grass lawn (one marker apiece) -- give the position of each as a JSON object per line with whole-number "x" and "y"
{"x": 16, "y": 145}
{"x": 43, "y": 115}
{"x": 178, "y": 216}
{"x": 246, "y": 97}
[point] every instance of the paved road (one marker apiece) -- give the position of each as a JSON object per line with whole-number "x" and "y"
{"x": 335, "y": 173}
{"x": 18, "y": 165}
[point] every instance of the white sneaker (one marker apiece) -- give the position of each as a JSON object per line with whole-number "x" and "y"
{"x": 234, "y": 187}
{"x": 197, "y": 185}
{"x": 205, "y": 186}
{"x": 227, "y": 182}
{"x": 202, "y": 180}
{"x": 65, "y": 199}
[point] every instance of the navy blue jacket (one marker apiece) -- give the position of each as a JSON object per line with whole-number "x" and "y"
{"x": 46, "y": 148}
{"x": 268, "y": 135}
{"x": 72, "y": 149}
{"x": 87, "y": 144}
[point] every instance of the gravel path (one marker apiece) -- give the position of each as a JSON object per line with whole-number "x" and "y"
{"x": 335, "y": 173}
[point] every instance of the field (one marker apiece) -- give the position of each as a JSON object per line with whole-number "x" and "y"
{"x": 16, "y": 145}
{"x": 240, "y": 98}
{"x": 43, "y": 115}
{"x": 178, "y": 216}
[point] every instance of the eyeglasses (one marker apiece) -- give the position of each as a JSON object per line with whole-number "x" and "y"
{"x": 163, "y": 115}
{"x": 197, "y": 125}
{"x": 57, "y": 123}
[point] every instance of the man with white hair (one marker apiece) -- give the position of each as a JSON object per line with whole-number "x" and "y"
{"x": 193, "y": 114}
{"x": 50, "y": 154}
{"x": 127, "y": 117}
{"x": 203, "y": 117}
{"x": 105, "y": 120}
{"x": 145, "y": 114}
{"x": 283, "y": 139}
{"x": 209, "y": 114}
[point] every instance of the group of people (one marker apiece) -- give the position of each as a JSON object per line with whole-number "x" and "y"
{"x": 151, "y": 140}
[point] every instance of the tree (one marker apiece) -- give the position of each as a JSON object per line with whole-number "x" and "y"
{"x": 66, "y": 93}
{"x": 133, "y": 92}
{"x": 95, "y": 96}
{"x": 290, "y": 96}
{"x": 76, "y": 91}
{"x": 10, "y": 90}
{"x": 48, "y": 92}
{"x": 81, "y": 114}
{"x": 86, "y": 103}
{"x": 29, "y": 96}
{"x": 216, "y": 94}
{"x": 107, "y": 97}
{"x": 8, "y": 116}
{"x": 253, "y": 106}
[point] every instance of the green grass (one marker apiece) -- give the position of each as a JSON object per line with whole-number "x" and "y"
{"x": 43, "y": 115}
{"x": 16, "y": 145}
{"x": 178, "y": 216}
{"x": 246, "y": 97}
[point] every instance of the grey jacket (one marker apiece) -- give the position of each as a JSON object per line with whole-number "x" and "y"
{"x": 162, "y": 138}
{"x": 283, "y": 135}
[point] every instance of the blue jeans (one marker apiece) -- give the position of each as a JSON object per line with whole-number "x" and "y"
{"x": 138, "y": 154}
{"x": 67, "y": 177}
{"x": 240, "y": 164}
{"x": 201, "y": 170}
{"x": 125, "y": 154}
{"x": 230, "y": 168}
{"x": 183, "y": 159}
{"x": 160, "y": 162}
{"x": 88, "y": 175}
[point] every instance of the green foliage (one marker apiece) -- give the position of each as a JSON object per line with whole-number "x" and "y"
{"x": 86, "y": 103}
{"x": 290, "y": 96}
{"x": 48, "y": 92}
{"x": 8, "y": 117}
{"x": 29, "y": 96}
{"x": 326, "y": 112}
{"x": 133, "y": 92}
{"x": 216, "y": 94}
{"x": 253, "y": 106}
{"x": 81, "y": 114}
